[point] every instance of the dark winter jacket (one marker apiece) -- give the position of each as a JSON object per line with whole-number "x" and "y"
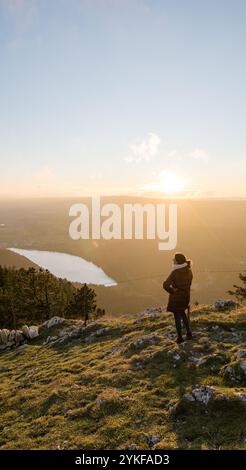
{"x": 178, "y": 286}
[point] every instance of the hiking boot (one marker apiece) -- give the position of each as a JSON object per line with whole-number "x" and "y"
{"x": 189, "y": 336}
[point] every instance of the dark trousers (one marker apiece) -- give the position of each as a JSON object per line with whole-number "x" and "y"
{"x": 178, "y": 317}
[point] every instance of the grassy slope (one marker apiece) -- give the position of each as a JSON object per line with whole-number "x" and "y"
{"x": 105, "y": 394}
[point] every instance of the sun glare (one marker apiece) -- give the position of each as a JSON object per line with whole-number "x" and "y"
{"x": 167, "y": 182}
{"x": 171, "y": 183}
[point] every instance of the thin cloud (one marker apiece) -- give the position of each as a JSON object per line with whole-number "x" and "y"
{"x": 144, "y": 150}
{"x": 199, "y": 154}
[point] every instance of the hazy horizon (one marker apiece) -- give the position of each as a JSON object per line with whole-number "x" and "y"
{"x": 126, "y": 195}
{"x": 210, "y": 232}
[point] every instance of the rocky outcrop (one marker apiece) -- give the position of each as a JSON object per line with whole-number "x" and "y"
{"x": 204, "y": 396}
{"x": 235, "y": 372}
{"x": 87, "y": 334}
{"x": 200, "y": 394}
{"x": 14, "y": 338}
{"x": 53, "y": 322}
{"x": 95, "y": 334}
{"x": 4, "y": 334}
{"x": 144, "y": 341}
{"x": 151, "y": 310}
{"x": 33, "y": 332}
{"x": 225, "y": 304}
{"x": 149, "y": 314}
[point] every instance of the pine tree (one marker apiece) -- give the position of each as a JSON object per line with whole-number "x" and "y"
{"x": 83, "y": 304}
{"x": 240, "y": 291}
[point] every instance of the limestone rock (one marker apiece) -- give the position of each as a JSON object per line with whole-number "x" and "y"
{"x": 152, "y": 440}
{"x": 132, "y": 447}
{"x": 235, "y": 372}
{"x": 102, "y": 331}
{"x": 189, "y": 397}
{"x": 19, "y": 337}
{"x": 11, "y": 338}
{"x": 4, "y": 334}
{"x": 203, "y": 394}
{"x": 33, "y": 332}
{"x": 138, "y": 321}
{"x": 225, "y": 304}
{"x": 30, "y": 332}
{"x": 95, "y": 334}
{"x": 154, "y": 316}
{"x": 50, "y": 339}
{"x": 25, "y": 331}
{"x": 145, "y": 341}
{"x": 53, "y": 322}
{"x": 151, "y": 312}
{"x": 200, "y": 394}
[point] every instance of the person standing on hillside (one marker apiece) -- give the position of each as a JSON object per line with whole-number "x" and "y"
{"x": 178, "y": 286}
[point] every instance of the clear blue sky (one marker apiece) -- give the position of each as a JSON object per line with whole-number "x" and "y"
{"x": 123, "y": 96}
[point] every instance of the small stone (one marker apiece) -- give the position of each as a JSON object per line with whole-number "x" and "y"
{"x": 132, "y": 447}
{"x": 152, "y": 440}
{"x": 145, "y": 341}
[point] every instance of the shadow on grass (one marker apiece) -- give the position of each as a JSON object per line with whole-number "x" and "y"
{"x": 217, "y": 426}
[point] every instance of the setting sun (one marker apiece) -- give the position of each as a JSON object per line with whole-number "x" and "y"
{"x": 172, "y": 183}
{"x": 167, "y": 182}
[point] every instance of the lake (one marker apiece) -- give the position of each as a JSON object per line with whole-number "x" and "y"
{"x": 65, "y": 266}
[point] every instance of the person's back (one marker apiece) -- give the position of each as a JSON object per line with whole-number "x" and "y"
{"x": 183, "y": 278}
{"x": 178, "y": 286}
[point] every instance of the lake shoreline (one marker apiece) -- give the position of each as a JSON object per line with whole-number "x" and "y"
{"x": 66, "y": 266}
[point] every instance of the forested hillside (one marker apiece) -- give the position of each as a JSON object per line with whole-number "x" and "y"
{"x": 34, "y": 295}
